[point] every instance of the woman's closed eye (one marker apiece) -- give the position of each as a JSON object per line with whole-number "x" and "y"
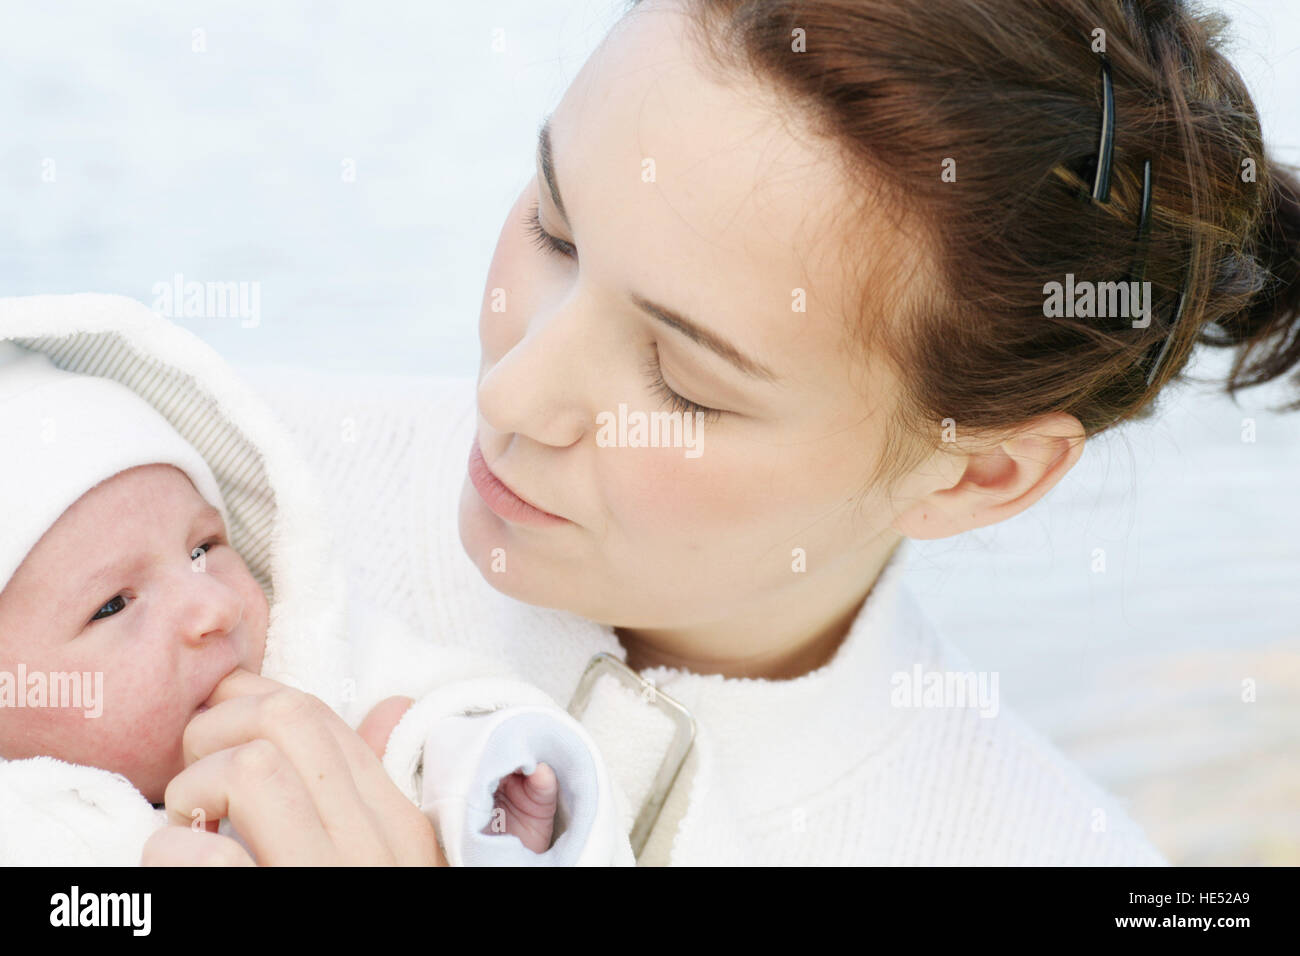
{"x": 675, "y": 401}
{"x": 553, "y": 245}
{"x": 543, "y": 239}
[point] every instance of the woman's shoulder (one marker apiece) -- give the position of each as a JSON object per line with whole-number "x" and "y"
{"x": 1018, "y": 799}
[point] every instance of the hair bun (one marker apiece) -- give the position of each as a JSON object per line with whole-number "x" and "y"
{"x": 1267, "y": 330}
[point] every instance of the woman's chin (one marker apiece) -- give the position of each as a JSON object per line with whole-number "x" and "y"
{"x": 487, "y": 541}
{"x": 503, "y": 558}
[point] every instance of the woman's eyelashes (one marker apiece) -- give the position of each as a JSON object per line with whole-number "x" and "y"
{"x": 675, "y": 401}
{"x": 543, "y": 239}
{"x": 555, "y": 246}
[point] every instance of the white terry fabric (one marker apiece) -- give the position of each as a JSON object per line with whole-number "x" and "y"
{"x": 348, "y": 654}
{"x": 54, "y": 813}
{"x": 817, "y": 770}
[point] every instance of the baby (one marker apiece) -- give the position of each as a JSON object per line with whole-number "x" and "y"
{"x": 118, "y": 579}
{"x": 114, "y": 590}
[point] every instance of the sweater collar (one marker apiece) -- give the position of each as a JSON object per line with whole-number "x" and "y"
{"x": 798, "y": 734}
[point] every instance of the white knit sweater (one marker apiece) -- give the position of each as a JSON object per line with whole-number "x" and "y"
{"x": 821, "y": 769}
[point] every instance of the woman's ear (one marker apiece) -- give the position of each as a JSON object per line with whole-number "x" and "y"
{"x": 998, "y": 481}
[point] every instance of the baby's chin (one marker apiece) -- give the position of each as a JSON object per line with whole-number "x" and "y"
{"x": 151, "y": 772}
{"x": 152, "y": 780}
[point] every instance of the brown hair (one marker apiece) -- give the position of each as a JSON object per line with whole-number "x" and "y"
{"x": 1010, "y": 91}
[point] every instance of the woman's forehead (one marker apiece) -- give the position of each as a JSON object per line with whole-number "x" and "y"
{"x": 708, "y": 197}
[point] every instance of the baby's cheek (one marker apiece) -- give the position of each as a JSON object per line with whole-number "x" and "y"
{"x": 257, "y": 616}
{"x": 31, "y": 732}
{"x": 106, "y": 732}
{"x": 139, "y": 733}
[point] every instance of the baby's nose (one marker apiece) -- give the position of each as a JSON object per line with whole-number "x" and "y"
{"x": 212, "y": 609}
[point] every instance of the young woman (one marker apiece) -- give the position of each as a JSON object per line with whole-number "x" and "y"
{"x": 827, "y": 234}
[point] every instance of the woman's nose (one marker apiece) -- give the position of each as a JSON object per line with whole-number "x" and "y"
{"x": 538, "y": 388}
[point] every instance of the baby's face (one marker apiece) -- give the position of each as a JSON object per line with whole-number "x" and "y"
{"x": 136, "y": 581}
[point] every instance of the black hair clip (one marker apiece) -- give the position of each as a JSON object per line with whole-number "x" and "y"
{"x": 1106, "y": 147}
{"x": 1169, "y": 333}
{"x": 1144, "y": 221}
{"x": 1101, "y": 193}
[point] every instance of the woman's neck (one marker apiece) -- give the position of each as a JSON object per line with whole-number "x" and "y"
{"x": 789, "y": 633}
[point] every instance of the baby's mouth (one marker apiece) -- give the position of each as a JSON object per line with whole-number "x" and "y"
{"x": 204, "y": 705}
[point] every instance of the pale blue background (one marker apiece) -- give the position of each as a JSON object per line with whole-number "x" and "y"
{"x": 226, "y": 165}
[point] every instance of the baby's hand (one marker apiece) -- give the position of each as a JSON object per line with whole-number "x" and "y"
{"x": 525, "y": 807}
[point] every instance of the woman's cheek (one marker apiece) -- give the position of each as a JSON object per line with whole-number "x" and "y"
{"x": 663, "y": 492}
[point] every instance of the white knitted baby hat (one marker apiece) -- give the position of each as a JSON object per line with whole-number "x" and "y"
{"x": 61, "y": 434}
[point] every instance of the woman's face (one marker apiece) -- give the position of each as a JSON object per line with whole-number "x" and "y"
{"x": 674, "y": 190}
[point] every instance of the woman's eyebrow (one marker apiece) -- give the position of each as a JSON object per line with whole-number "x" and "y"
{"x": 702, "y": 336}
{"x": 669, "y": 317}
{"x": 547, "y": 160}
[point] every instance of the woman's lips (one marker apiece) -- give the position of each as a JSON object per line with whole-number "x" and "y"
{"x": 503, "y": 502}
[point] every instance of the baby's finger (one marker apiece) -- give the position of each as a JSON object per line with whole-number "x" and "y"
{"x": 182, "y": 846}
{"x": 535, "y": 795}
{"x": 528, "y": 806}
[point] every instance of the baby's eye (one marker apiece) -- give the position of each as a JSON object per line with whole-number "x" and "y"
{"x": 111, "y": 608}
